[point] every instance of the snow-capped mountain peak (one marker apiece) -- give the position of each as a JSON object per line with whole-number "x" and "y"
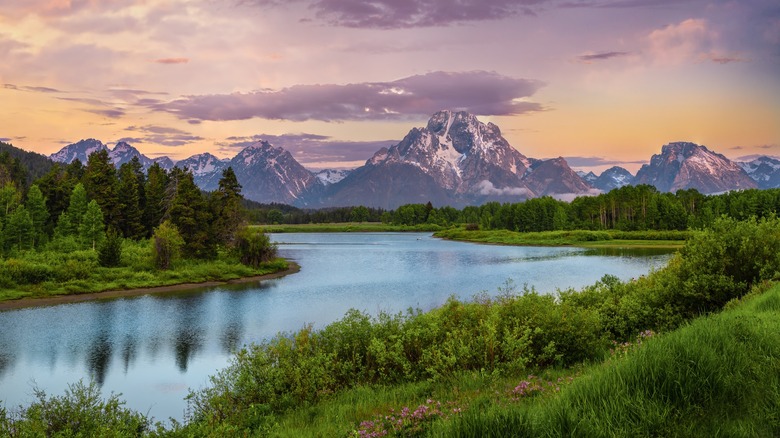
{"x": 765, "y": 171}
{"x": 331, "y": 176}
{"x": 80, "y": 150}
{"x": 685, "y": 165}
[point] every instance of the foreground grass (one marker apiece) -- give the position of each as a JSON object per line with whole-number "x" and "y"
{"x": 52, "y": 273}
{"x": 586, "y": 238}
{"x": 346, "y": 227}
{"x": 718, "y": 376}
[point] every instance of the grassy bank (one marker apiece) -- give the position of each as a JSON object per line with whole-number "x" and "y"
{"x": 43, "y": 274}
{"x": 663, "y": 239}
{"x": 718, "y": 376}
{"x": 346, "y": 227}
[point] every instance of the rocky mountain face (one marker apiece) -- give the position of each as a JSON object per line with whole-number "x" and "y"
{"x": 455, "y": 160}
{"x": 164, "y": 162}
{"x": 588, "y": 177}
{"x": 78, "y": 151}
{"x": 123, "y": 153}
{"x": 206, "y": 170}
{"x": 555, "y": 177}
{"x": 270, "y": 174}
{"x": 684, "y": 165}
{"x": 612, "y": 178}
{"x": 765, "y": 171}
{"x": 331, "y": 176}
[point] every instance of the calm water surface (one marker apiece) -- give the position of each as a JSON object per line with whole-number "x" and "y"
{"x": 153, "y": 348}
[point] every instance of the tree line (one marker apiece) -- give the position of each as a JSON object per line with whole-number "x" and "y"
{"x": 93, "y": 206}
{"x": 629, "y": 208}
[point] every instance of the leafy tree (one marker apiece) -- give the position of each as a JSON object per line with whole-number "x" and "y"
{"x": 19, "y": 229}
{"x": 100, "y": 182}
{"x": 78, "y": 205}
{"x": 359, "y": 214}
{"x": 110, "y": 251}
{"x": 275, "y": 217}
{"x": 39, "y": 215}
{"x": 9, "y": 199}
{"x": 166, "y": 245}
{"x": 64, "y": 226}
{"x": 92, "y": 226}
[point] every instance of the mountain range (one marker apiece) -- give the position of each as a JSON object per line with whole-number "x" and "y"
{"x": 454, "y": 160}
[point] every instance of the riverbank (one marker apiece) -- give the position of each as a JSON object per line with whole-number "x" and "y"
{"x": 582, "y": 238}
{"x": 291, "y": 268}
{"x": 347, "y": 227}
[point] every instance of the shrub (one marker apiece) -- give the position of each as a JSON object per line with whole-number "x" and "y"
{"x": 110, "y": 250}
{"x": 80, "y": 412}
{"x": 166, "y": 245}
{"x": 254, "y": 247}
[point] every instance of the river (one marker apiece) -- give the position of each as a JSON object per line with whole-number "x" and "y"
{"x": 153, "y": 348}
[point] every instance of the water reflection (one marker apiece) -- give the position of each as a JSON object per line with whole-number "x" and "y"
{"x": 153, "y": 348}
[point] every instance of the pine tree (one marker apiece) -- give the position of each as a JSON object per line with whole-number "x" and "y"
{"x": 56, "y": 186}
{"x": 92, "y": 226}
{"x": 189, "y": 213}
{"x": 130, "y": 205}
{"x": 39, "y": 215}
{"x": 228, "y": 212}
{"x": 100, "y": 182}
{"x": 154, "y": 190}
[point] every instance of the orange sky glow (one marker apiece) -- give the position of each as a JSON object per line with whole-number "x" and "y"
{"x": 599, "y": 82}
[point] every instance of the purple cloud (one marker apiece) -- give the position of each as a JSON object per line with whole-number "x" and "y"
{"x": 311, "y": 149}
{"x": 111, "y": 113}
{"x": 601, "y": 56}
{"x": 5, "y": 139}
{"x": 397, "y": 14}
{"x": 479, "y": 92}
{"x": 31, "y": 89}
{"x": 163, "y": 135}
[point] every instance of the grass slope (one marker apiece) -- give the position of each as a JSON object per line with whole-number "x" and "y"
{"x": 718, "y": 376}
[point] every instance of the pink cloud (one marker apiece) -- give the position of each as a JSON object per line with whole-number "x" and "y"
{"x": 479, "y": 92}
{"x": 172, "y": 60}
{"x": 684, "y": 42}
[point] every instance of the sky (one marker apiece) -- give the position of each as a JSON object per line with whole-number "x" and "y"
{"x": 599, "y": 82}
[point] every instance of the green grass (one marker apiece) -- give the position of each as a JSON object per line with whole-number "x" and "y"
{"x": 717, "y": 376}
{"x": 346, "y": 227}
{"x": 659, "y": 239}
{"x": 43, "y": 274}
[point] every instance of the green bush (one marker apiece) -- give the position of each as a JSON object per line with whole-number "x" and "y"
{"x": 253, "y": 247}
{"x": 22, "y": 271}
{"x": 81, "y": 412}
{"x": 166, "y": 245}
{"x": 110, "y": 250}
